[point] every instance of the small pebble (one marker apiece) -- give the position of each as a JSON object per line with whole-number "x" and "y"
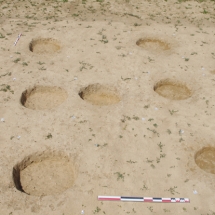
{"x": 2, "y": 120}
{"x": 181, "y": 131}
{"x": 195, "y": 192}
{"x": 73, "y": 117}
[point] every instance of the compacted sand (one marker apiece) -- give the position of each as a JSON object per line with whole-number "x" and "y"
{"x": 107, "y": 98}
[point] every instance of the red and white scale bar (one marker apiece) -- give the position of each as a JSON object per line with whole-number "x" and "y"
{"x": 17, "y": 39}
{"x": 143, "y": 199}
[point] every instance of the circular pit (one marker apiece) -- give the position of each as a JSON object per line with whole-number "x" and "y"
{"x": 44, "y": 46}
{"x": 205, "y": 159}
{"x": 44, "y": 174}
{"x": 172, "y": 90}
{"x": 43, "y": 97}
{"x": 98, "y": 94}
{"x": 213, "y": 72}
{"x": 153, "y": 44}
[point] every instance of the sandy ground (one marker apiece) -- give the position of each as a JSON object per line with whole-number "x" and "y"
{"x": 107, "y": 98}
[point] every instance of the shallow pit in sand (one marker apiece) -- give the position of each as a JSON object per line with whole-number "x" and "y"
{"x": 44, "y": 46}
{"x": 101, "y": 95}
{"x": 153, "y": 44}
{"x": 172, "y": 89}
{"x": 205, "y": 159}
{"x": 213, "y": 72}
{"x": 44, "y": 174}
{"x": 43, "y": 97}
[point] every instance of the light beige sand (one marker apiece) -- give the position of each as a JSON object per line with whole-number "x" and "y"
{"x": 132, "y": 135}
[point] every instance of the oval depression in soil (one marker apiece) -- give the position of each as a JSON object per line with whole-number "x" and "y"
{"x": 44, "y": 46}
{"x": 43, "y": 97}
{"x": 205, "y": 159}
{"x": 42, "y": 175}
{"x": 101, "y": 95}
{"x": 172, "y": 90}
{"x": 213, "y": 72}
{"x": 153, "y": 44}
